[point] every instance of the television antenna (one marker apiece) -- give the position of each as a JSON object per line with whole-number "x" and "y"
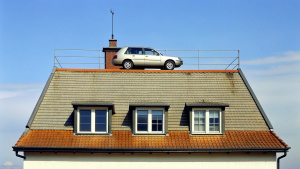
{"x": 112, "y": 14}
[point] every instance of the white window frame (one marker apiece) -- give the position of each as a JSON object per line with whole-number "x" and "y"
{"x": 149, "y": 109}
{"x": 93, "y": 119}
{"x": 207, "y": 121}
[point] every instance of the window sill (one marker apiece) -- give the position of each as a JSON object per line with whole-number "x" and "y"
{"x": 193, "y": 133}
{"x": 150, "y": 134}
{"x": 102, "y": 134}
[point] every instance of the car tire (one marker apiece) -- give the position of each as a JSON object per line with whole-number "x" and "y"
{"x": 169, "y": 65}
{"x": 127, "y": 64}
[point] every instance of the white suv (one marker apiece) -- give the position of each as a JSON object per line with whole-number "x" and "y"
{"x": 130, "y": 57}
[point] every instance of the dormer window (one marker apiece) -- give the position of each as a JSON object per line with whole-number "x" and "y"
{"x": 92, "y": 118}
{"x": 149, "y": 118}
{"x": 206, "y": 121}
{"x": 206, "y": 117}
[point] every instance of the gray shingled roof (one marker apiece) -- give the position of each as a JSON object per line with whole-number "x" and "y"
{"x": 128, "y": 88}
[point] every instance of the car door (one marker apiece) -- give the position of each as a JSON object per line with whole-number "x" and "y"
{"x": 138, "y": 57}
{"x": 152, "y": 57}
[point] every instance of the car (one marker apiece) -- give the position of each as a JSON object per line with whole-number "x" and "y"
{"x": 133, "y": 57}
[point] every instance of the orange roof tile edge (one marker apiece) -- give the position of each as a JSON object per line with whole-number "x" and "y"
{"x": 144, "y": 71}
{"x": 234, "y": 140}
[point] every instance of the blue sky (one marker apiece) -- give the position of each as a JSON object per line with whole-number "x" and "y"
{"x": 266, "y": 32}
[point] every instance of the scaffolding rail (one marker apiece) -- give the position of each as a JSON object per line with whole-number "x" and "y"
{"x": 192, "y": 59}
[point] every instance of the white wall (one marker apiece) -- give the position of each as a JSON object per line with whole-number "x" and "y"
{"x": 150, "y": 161}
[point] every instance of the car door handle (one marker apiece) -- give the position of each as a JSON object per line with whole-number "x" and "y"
{"x": 146, "y": 56}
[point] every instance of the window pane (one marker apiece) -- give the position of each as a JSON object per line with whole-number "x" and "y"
{"x": 217, "y": 128}
{"x": 100, "y": 123}
{"x": 157, "y": 117}
{"x": 199, "y": 120}
{"x": 142, "y": 120}
{"x": 100, "y": 116}
{"x": 211, "y": 114}
{"x": 85, "y": 120}
{"x": 159, "y": 127}
{"x": 138, "y": 51}
{"x": 85, "y": 127}
{"x": 149, "y": 52}
{"x": 196, "y": 120}
{"x": 201, "y": 127}
{"x": 100, "y": 127}
{"x": 142, "y": 112}
{"x": 142, "y": 127}
{"x": 214, "y": 120}
{"x": 196, "y": 114}
{"x": 154, "y": 127}
{"x": 157, "y": 112}
{"x": 196, "y": 127}
{"x": 202, "y": 120}
{"x": 142, "y": 116}
{"x": 211, "y": 127}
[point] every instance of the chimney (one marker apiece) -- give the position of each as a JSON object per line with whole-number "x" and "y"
{"x": 110, "y": 53}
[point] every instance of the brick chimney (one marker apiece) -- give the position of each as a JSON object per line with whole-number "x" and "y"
{"x": 109, "y": 54}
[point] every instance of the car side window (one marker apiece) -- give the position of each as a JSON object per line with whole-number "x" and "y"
{"x": 136, "y": 51}
{"x": 151, "y": 52}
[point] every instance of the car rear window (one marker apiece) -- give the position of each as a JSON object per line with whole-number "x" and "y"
{"x": 137, "y": 51}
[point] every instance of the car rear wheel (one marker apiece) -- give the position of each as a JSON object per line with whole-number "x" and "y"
{"x": 127, "y": 64}
{"x": 169, "y": 65}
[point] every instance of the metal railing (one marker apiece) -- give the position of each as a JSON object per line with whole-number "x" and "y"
{"x": 192, "y": 59}
{"x": 96, "y": 59}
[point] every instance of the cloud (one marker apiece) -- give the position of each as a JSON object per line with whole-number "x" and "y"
{"x": 7, "y": 164}
{"x": 287, "y": 63}
{"x": 288, "y": 57}
{"x": 275, "y": 81}
{"x": 16, "y": 104}
{"x": 11, "y": 90}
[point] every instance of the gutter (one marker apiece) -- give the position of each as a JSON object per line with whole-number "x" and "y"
{"x": 132, "y": 150}
{"x": 278, "y": 160}
{"x": 40, "y": 99}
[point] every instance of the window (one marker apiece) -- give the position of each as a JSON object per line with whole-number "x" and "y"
{"x": 206, "y": 121}
{"x": 137, "y": 51}
{"x": 151, "y": 52}
{"x": 149, "y": 120}
{"x": 92, "y": 120}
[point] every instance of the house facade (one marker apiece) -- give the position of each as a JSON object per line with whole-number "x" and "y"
{"x": 114, "y": 118}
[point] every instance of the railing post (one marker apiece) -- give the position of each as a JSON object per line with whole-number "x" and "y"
{"x": 239, "y": 58}
{"x": 198, "y": 60}
{"x": 99, "y": 59}
{"x": 54, "y": 57}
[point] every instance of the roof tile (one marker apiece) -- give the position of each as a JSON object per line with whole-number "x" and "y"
{"x": 176, "y": 140}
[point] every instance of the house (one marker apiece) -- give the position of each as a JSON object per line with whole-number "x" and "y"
{"x": 114, "y": 118}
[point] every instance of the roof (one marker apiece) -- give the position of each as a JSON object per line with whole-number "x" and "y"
{"x": 50, "y": 127}
{"x": 123, "y": 141}
{"x": 127, "y": 87}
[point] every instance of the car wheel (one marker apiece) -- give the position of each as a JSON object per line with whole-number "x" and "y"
{"x": 169, "y": 65}
{"x": 127, "y": 64}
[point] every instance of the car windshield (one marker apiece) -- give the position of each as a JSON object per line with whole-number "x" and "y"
{"x": 151, "y": 52}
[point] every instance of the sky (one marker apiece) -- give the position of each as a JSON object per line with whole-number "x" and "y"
{"x": 266, "y": 33}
